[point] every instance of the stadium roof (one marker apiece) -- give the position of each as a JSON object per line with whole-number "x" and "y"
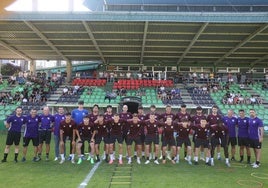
{"x": 147, "y": 38}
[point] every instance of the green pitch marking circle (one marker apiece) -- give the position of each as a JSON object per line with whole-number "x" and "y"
{"x": 263, "y": 176}
{"x": 250, "y": 183}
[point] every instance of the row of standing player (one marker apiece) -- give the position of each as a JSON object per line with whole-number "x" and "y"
{"x": 252, "y": 125}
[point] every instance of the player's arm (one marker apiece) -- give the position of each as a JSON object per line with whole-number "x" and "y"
{"x": 61, "y": 132}
{"x": 74, "y": 133}
{"x": 261, "y": 131}
{"x": 93, "y": 136}
{"x": 7, "y": 125}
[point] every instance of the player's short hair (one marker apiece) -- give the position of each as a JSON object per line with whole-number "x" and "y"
{"x": 183, "y": 106}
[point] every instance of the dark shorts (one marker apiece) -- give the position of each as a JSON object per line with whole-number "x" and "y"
{"x": 114, "y": 138}
{"x": 26, "y": 141}
{"x": 124, "y": 136}
{"x": 151, "y": 139}
{"x": 44, "y": 136}
{"x": 255, "y": 144}
{"x": 137, "y": 141}
{"x": 170, "y": 142}
{"x": 201, "y": 142}
{"x": 232, "y": 141}
{"x": 185, "y": 141}
{"x": 142, "y": 138}
{"x": 67, "y": 138}
{"x": 13, "y": 137}
{"x": 242, "y": 141}
{"x": 99, "y": 139}
{"x": 218, "y": 141}
{"x": 85, "y": 139}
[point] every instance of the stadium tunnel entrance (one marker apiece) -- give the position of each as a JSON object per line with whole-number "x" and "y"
{"x": 132, "y": 102}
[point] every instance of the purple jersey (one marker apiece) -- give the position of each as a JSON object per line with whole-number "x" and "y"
{"x": 254, "y": 125}
{"x": 230, "y": 123}
{"x": 46, "y": 121}
{"x": 32, "y": 126}
{"x": 58, "y": 118}
{"x": 242, "y": 127}
{"x": 16, "y": 123}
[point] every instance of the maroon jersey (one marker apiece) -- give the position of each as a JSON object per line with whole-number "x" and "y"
{"x": 85, "y": 131}
{"x": 142, "y": 117}
{"x": 67, "y": 128}
{"x": 102, "y": 129}
{"x": 116, "y": 128}
{"x": 183, "y": 133}
{"x": 165, "y": 115}
{"x": 201, "y": 132}
{"x": 197, "y": 118}
{"x": 213, "y": 119}
{"x": 157, "y": 116}
{"x": 108, "y": 117}
{"x": 181, "y": 116}
{"x": 125, "y": 116}
{"x": 93, "y": 117}
{"x": 219, "y": 131}
{"x": 135, "y": 129}
{"x": 168, "y": 131}
{"x": 151, "y": 128}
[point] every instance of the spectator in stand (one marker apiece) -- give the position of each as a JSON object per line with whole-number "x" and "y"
{"x": 65, "y": 90}
{"x": 253, "y": 100}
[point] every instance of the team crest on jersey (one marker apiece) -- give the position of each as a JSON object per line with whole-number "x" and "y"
{"x": 21, "y": 119}
{"x": 89, "y": 128}
{"x": 138, "y": 125}
{"x": 232, "y": 120}
{"x": 154, "y": 125}
{"x": 171, "y": 127}
{"x": 254, "y": 121}
{"x": 70, "y": 126}
{"x": 245, "y": 121}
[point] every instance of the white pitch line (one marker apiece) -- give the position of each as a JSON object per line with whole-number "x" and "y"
{"x": 89, "y": 175}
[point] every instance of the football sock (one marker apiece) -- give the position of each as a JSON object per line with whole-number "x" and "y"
{"x": 248, "y": 158}
{"x": 164, "y": 157}
{"x": 241, "y": 157}
{"x": 120, "y": 156}
{"x": 62, "y": 156}
{"x": 5, "y": 156}
{"x": 207, "y": 159}
{"x": 16, "y": 156}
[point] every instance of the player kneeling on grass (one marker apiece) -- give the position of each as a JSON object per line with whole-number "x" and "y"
{"x": 84, "y": 133}
{"x": 168, "y": 138}
{"x": 183, "y": 131}
{"x": 31, "y": 133}
{"x": 67, "y": 132}
{"x": 101, "y": 133}
{"x": 219, "y": 136}
{"x": 134, "y": 135}
{"x": 201, "y": 139}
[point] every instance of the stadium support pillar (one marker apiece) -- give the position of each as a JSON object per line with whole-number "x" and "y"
{"x": 69, "y": 71}
{"x": 32, "y": 67}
